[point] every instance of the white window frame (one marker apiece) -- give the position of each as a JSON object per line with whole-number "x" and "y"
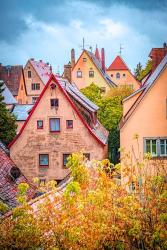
{"x": 158, "y": 146}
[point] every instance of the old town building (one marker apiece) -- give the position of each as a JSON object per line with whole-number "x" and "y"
{"x": 121, "y": 74}
{"x": 36, "y": 75}
{"x": 62, "y": 121}
{"x": 13, "y": 76}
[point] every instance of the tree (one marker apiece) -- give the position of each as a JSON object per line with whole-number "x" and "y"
{"x": 7, "y": 121}
{"x": 141, "y": 73}
{"x": 109, "y": 113}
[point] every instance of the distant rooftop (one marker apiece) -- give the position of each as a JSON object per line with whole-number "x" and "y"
{"x": 8, "y": 97}
{"x": 118, "y": 64}
{"x": 44, "y": 70}
{"x": 21, "y": 111}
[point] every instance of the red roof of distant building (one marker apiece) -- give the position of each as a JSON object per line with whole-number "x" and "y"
{"x": 118, "y": 64}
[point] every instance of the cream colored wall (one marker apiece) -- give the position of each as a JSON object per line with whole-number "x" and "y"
{"x": 86, "y": 80}
{"x": 32, "y": 142}
{"x": 22, "y": 96}
{"x": 149, "y": 119}
{"x": 127, "y": 80}
{"x": 28, "y": 81}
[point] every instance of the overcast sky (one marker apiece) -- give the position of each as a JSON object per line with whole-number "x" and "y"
{"x": 48, "y": 29}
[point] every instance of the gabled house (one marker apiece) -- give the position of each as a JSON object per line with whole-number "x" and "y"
{"x": 37, "y": 74}
{"x": 13, "y": 76}
{"x": 10, "y": 178}
{"x": 145, "y": 114}
{"x": 121, "y": 74}
{"x": 90, "y": 68}
{"x": 9, "y": 99}
{"x": 62, "y": 121}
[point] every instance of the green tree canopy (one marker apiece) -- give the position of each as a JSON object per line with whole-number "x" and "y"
{"x": 7, "y": 121}
{"x": 140, "y": 72}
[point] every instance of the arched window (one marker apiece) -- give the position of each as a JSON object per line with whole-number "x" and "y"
{"x": 117, "y": 75}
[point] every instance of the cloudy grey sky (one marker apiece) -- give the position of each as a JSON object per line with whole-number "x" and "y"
{"x": 48, "y": 29}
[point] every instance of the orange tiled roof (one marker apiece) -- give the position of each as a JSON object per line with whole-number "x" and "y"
{"x": 118, "y": 64}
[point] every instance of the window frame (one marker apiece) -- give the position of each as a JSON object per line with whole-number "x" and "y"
{"x": 38, "y": 126}
{"x": 43, "y": 166}
{"x": 158, "y": 146}
{"x": 118, "y": 74}
{"x": 67, "y": 155}
{"x": 36, "y": 98}
{"x": 90, "y": 74}
{"x": 54, "y": 118}
{"x": 56, "y": 102}
{"x": 79, "y": 76}
{"x": 29, "y": 74}
{"x": 34, "y": 86}
{"x": 68, "y": 127}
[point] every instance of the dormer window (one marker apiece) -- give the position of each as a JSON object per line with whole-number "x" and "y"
{"x": 118, "y": 75}
{"x": 91, "y": 73}
{"x": 79, "y": 74}
{"x": 54, "y": 103}
{"x": 29, "y": 74}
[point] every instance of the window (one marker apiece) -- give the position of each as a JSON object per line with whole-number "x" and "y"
{"x": 29, "y": 74}
{"x": 156, "y": 146}
{"x": 163, "y": 147}
{"x": 35, "y": 86}
{"x": 34, "y": 98}
{"x": 102, "y": 89}
{"x": 111, "y": 75}
{"x": 54, "y": 124}
{"x": 54, "y": 102}
{"x": 65, "y": 159}
{"x": 84, "y": 59}
{"x": 39, "y": 124}
{"x": 91, "y": 73}
{"x": 43, "y": 160}
{"x": 118, "y": 75}
{"x": 79, "y": 74}
{"x": 69, "y": 123}
{"x": 124, "y": 75}
{"x": 87, "y": 155}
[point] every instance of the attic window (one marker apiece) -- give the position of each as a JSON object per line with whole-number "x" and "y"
{"x": 79, "y": 74}
{"x": 54, "y": 102}
{"x": 15, "y": 173}
{"x": 84, "y": 59}
{"x": 124, "y": 75}
{"x": 118, "y": 75}
{"x": 91, "y": 73}
{"x": 29, "y": 74}
{"x": 35, "y": 86}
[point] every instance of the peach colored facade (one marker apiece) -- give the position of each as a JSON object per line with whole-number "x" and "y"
{"x": 148, "y": 120}
{"x": 32, "y": 142}
{"x": 126, "y": 78}
{"x": 32, "y": 94}
{"x": 22, "y": 93}
{"x": 85, "y": 65}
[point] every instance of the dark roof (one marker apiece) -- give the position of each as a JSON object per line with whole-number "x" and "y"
{"x": 118, "y": 64}
{"x": 8, "y": 97}
{"x": 9, "y": 181}
{"x": 11, "y": 75}
{"x": 99, "y": 67}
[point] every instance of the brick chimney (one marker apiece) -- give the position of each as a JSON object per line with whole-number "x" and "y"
{"x": 97, "y": 54}
{"x": 72, "y": 58}
{"x": 157, "y": 54}
{"x": 67, "y": 71}
{"x": 103, "y": 59}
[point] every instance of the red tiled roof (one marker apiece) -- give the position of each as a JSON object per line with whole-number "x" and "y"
{"x": 11, "y": 75}
{"x": 8, "y": 184}
{"x": 118, "y": 64}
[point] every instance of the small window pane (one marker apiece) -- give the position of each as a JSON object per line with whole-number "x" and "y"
{"x": 65, "y": 159}
{"x": 79, "y": 74}
{"x": 43, "y": 159}
{"x": 91, "y": 73}
{"x": 54, "y": 102}
{"x": 39, "y": 124}
{"x": 118, "y": 75}
{"x": 34, "y": 99}
{"x": 69, "y": 123}
{"x": 154, "y": 147}
{"x": 55, "y": 124}
{"x": 148, "y": 146}
{"x": 163, "y": 147}
{"x": 29, "y": 74}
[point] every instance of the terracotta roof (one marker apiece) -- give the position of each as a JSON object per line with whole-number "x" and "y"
{"x": 118, "y": 64}
{"x": 144, "y": 89}
{"x": 10, "y": 178}
{"x": 11, "y": 75}
{"x": 44, "y": 70}
{"x": 94, "y": 132}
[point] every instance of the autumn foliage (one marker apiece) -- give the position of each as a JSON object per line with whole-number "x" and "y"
{"x": 93, "y": 212}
